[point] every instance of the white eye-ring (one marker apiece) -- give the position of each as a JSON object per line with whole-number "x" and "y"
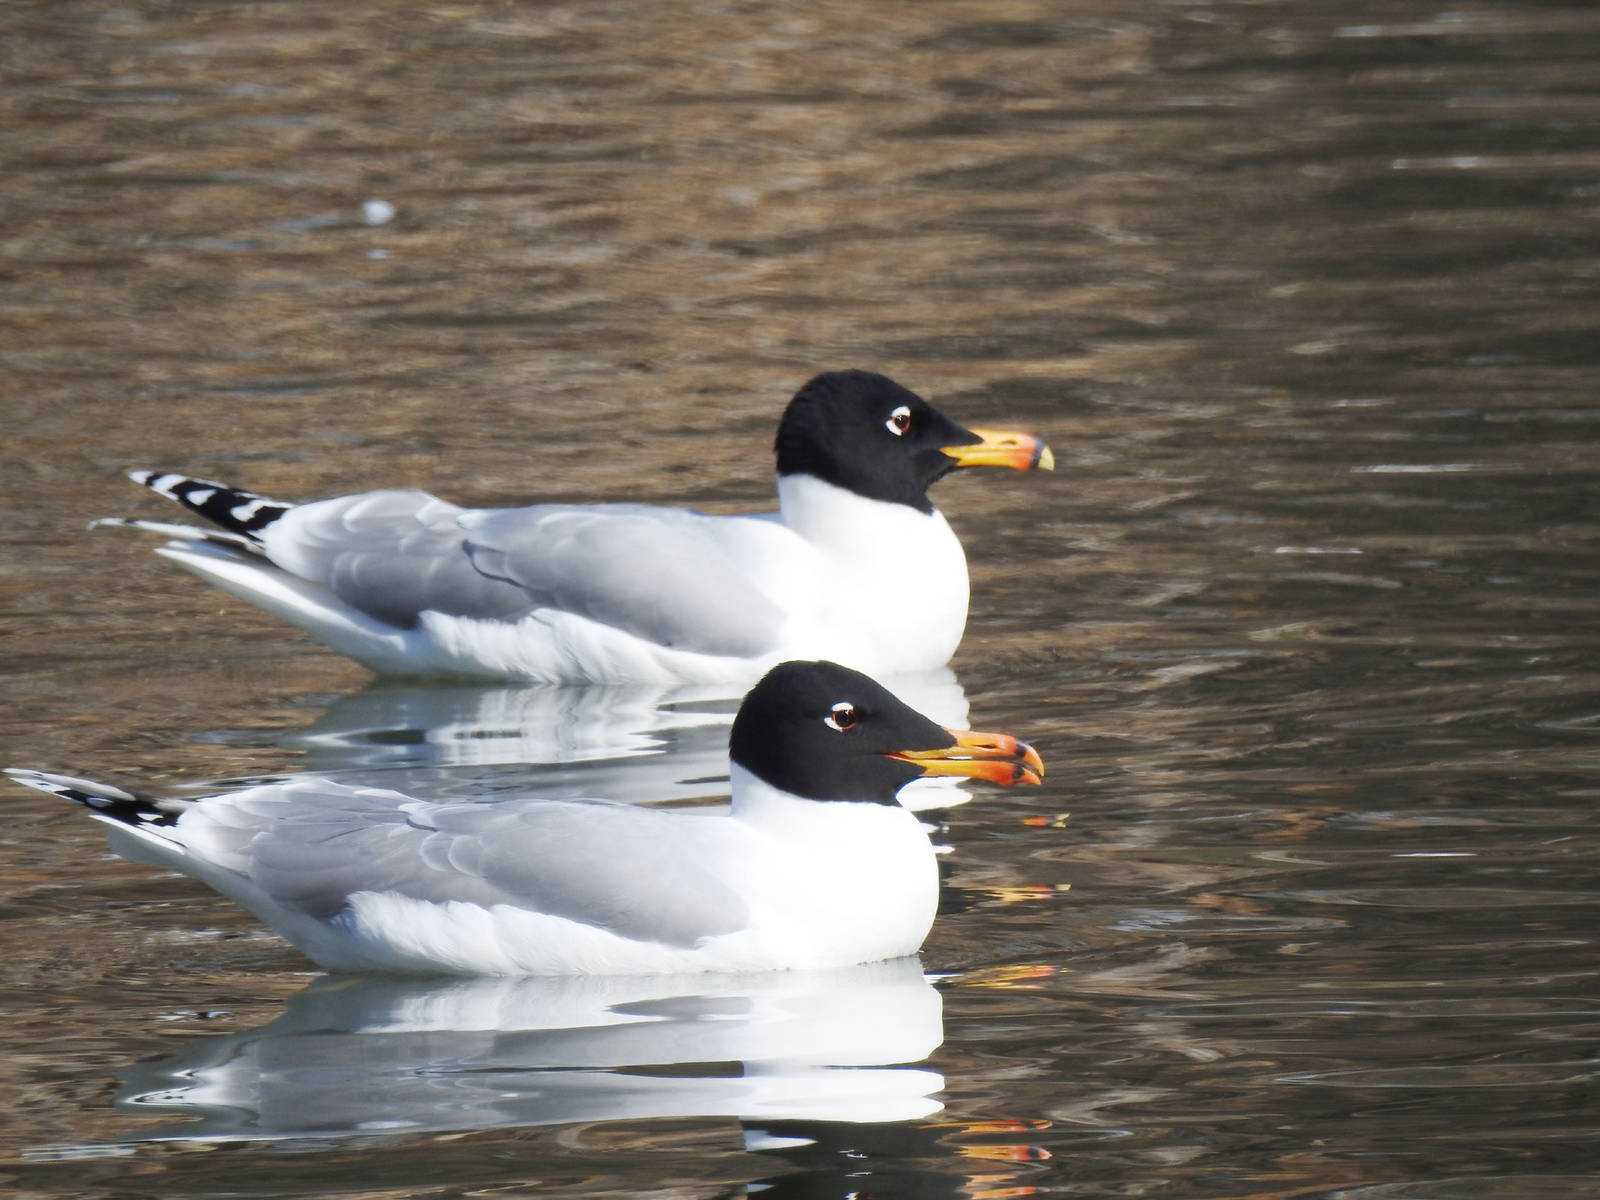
{"x": 842, "y": 717}
{"x": 899, "y": 421}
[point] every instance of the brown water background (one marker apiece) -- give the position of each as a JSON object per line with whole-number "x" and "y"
{"x": 1304, "y": 294}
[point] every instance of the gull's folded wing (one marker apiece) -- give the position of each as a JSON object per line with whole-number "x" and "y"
{"x": 675, "y": 578}
{"x": 640, "y": 873}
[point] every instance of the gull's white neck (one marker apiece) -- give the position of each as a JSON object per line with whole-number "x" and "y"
{"x": 836, "y": 518}
{"x": 757, "y": 802}
{"x": 843, "y": 880}
{"x": 897, "y": 575}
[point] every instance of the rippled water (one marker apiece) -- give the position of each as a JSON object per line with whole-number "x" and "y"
{"x": 1303, "y": 294}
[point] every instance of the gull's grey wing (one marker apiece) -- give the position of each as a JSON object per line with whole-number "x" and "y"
{"x": 674, "y": 577}
{"x": 393, "y": 554}
{"x": 639, "y": 872}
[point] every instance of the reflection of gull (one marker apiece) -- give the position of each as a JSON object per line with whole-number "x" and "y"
{"x": 463, "y": 725}
{"x": 353, "y": 1056}
{"x": 642, "y": 745}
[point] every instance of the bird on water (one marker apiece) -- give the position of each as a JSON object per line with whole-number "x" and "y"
{"x": 815, "y": 864}
{"x": 856, "y": 565}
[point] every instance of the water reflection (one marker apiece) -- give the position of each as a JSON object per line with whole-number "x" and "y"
{"x": 639, "y": 745}
{"x": 643, "y": 745}
{"x": 365, "y": 1055}
{"x": 1305, "y": 292}
{"x": 836, "y": 1160}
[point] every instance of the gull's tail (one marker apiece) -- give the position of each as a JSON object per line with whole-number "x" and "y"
{"x": 234, "y": 557}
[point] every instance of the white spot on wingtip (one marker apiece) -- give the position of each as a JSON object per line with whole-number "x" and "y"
{"x": 200, "y": 497}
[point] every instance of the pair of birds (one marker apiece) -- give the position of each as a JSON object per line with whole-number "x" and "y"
{"x": 815, "y": 864}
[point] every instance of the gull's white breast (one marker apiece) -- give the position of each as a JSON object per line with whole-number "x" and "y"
{"x": 891, "y": 588}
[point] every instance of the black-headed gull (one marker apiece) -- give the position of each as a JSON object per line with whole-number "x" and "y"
{"x": 857, "y": 565}
{"x": 815, "y": 865}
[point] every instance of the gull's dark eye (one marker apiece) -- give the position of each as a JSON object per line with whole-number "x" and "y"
{"x": 899, "y": 421}
{"x": 842, "y": 717}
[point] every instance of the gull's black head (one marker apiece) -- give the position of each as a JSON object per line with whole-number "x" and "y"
{"x": 825, "y": 732}
{"x": 864, "y": 432}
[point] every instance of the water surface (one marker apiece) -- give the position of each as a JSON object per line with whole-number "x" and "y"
{"x": 1302, "y": 294}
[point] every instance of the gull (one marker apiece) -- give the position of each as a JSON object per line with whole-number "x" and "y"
{"x": 815, "y": 864}
{"x": 857, "y": 565}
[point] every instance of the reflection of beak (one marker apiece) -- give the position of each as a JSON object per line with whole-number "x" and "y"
{"x": 1002, "y": 448}
{"x": 997, "y": 757}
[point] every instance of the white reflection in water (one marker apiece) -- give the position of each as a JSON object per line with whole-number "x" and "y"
{"x": 365, "y": 1055}
{"x": 642, "y": 745}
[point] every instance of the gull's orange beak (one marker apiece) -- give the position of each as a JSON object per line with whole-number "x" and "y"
{"x": 1002, "y": 448}
{"x": 997, "y": 757}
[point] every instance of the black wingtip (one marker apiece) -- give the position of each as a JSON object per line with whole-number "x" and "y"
{"x": 106, "y": 799}
{"x": 233, "y": 509}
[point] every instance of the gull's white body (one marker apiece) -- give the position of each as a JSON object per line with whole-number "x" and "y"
{"x": 614, "y": 593}
{"x": 401, "y": 885}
